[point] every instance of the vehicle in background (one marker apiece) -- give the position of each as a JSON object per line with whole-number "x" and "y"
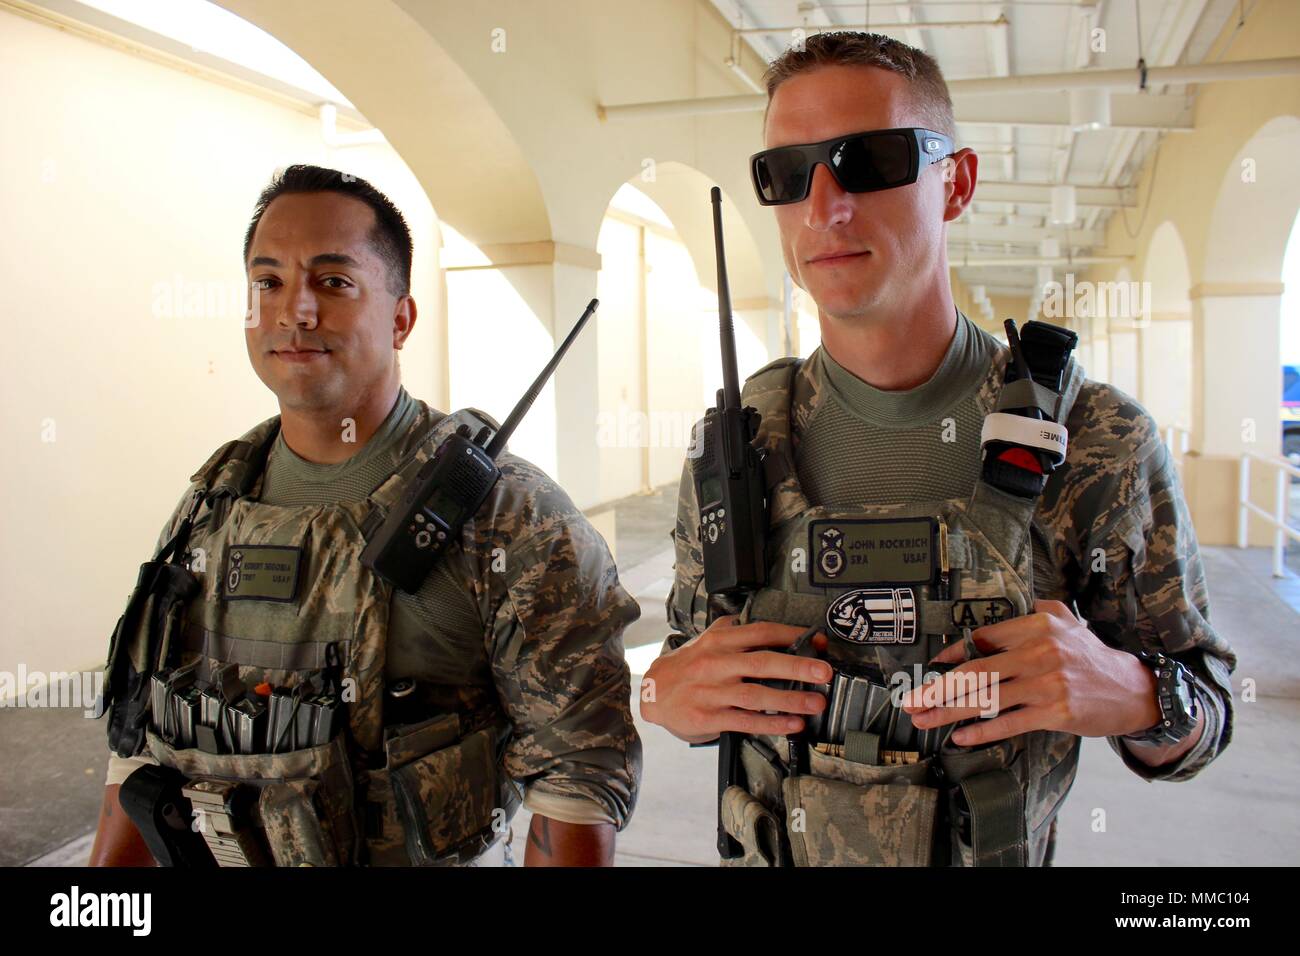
{"x": 1291, "y": 412}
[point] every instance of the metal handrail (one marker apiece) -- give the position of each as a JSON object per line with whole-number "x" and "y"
{"x": 1278, "y": 519}
{"x": 1177, "y": 449}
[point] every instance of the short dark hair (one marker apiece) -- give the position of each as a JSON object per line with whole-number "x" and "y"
{"x": 851, "y": 48}
{"x": 391, "y": 236}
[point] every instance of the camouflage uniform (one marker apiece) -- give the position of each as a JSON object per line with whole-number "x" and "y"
{"x": 535, "y": 691}
{"x": 1116, "y": 495}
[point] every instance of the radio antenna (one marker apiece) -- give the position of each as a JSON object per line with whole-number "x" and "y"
{"x": 503, "y": 434}
{"x": 730, "y": 385}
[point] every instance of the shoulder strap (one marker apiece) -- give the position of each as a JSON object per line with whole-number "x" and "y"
{"x": 229, "y": 473}
{"x": 770, "y": 391}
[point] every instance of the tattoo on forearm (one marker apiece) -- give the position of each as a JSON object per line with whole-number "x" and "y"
{"x": 539, "y": 835}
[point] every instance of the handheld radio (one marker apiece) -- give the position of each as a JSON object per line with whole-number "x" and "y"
{"x": 448, "y": 490}
{"x": 730, "y": 490}
{"x": 728, "y": 471}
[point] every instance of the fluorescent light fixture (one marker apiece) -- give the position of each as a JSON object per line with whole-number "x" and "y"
{"x": 1064, "y": 205}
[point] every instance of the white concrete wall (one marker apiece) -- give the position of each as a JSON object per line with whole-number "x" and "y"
{"x": 121, "y": 181}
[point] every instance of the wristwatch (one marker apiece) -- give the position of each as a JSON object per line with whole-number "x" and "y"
{"x": 1175, "y": 698}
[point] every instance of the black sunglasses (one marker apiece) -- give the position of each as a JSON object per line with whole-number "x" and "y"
{"x": 860, "y": 163}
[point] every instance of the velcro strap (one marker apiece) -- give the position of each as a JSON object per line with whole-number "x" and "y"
{"x": 997, "y": 818}
{"x": 1026, "y": 393}
{"x": 1028, "y": 432}
{"x": 271, "y": 655}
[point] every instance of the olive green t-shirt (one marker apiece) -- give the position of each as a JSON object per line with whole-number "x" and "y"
{"x": 864, "y": 445}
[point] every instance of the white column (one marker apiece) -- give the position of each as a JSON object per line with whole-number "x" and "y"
{"x": 1236, "y": 401}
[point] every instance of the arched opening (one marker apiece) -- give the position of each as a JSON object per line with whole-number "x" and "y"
{"x": 497, "y": 306}
{"x": 659, "y": 357}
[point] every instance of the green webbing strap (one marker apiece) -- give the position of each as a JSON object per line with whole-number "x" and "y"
{"x": 306, "y": 656}
{"x": 1026, "y": 393}
{"x": 862, "y": 747}
{"x": 997, "y": 818}
{"x": 771, "y": 390}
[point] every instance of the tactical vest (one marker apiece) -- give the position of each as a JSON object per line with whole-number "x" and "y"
{"x": 279, "y": 593}
{"x": 891, "y": 585}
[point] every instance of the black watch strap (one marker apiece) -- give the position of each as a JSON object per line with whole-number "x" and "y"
{"x": 1176, "y": 700}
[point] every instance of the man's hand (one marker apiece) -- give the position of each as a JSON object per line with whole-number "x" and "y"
{"x": 553, "y": 843}
{"x": 1048, "y": 672}
{"x": 705, "y": 686}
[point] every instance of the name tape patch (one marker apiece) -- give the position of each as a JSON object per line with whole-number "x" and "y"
{"x": 256, "y": 572}
{"x": 849, "y": 551}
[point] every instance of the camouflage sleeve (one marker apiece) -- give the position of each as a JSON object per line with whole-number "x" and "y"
{"x": 1142, "y": 583}
{"x": 556, "y": 646}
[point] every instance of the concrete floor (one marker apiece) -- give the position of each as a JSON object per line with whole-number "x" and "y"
{"x": 1241, "y": 810}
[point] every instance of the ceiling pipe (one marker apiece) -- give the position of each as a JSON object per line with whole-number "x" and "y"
{"x": 733, "y": 63}
{"x": 1000, "y": 22}
{"x": 1126, "y": 79}
{"x": 691, "y": 107}
{"x": 1130, "y": 78}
